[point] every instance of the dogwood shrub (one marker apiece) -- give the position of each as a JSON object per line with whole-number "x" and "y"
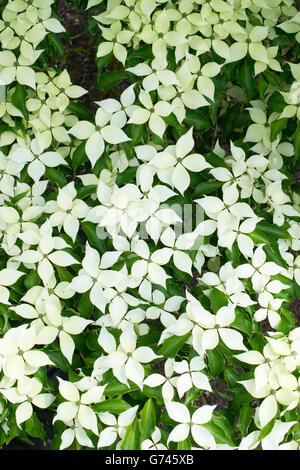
{"x": 150, "y": 252}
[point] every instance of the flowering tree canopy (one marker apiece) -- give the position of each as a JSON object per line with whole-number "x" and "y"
{"x": 150, "y": 251}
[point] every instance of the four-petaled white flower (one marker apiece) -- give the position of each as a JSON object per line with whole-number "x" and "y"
{"x": 96, "y": 275}
{"x": 27, "y": 393}
{"x": 77, "y": 405}
{"x": 126, "y": 359}
{"x": 115, "y": 427}
{"x": 260, "y": 270}
{"x": 172, "y": 163}
{"x": 180, "y": 414}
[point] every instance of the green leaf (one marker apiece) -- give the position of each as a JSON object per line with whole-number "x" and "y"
{"x": 230, "y": 120}
{"x": 172, "y": 345}
{"x": 109, "y": 80}
{"x": 206, "y": 187}
{"x": 242, "y": 322}
{"x": 242, "y": 397}
{"x": 262, "y": 86}
{"x": 116, "y": 388}
{"x": 86, "y": 191}
{"x": 135, "y": 131}
{"x": 55, "y": 177}
{"x": 197, "y": 120}
{"x": 59, "y": 360}
{"x": 214, "y": 106}
{"x": 184, "y": 445}
{"x": 19, "y": 196}
{"x": 91, "y": 26}
{"x": 171, "y": 120}
{"x": 259, "y": 237}
{"x": 220, "y": 430}
{"x": 275, "y": 257}
{"x": 18, "y": 99}
{"x": 63, "y": 274}
{"x": 114, "y": 405}
{"x": 32, "y": 279}
{"x": 245, "y": 418}
{"x": 153, "y": 393}
{"x": 35, "y": 428}
{"x": 126, "y": 176}
{"x": 285, "y": 325}
{"x": 217, "y": 299}
{"x": 231, "y": 377}
{"x": 245, "y": 78}
{"x": 92, "y": 340}
{"x": 266, "y": 430}
{"x": 296, "y": 141}
{"x": 103, "y": 62}
{"x": 132, "y": 437}
{"x": 216, "y": 161}
{"x": 148, "y": 419}
{"x": 80, "y": 111}
{"x": 276, "y": 102}
{"x": 257, "y": 341}
{"x": 85, "y": 306}
{"x": 272, "y": 78}
{"x": 253, "y": 19}
{"x": 277, "y": 126}
{"x": 216, "y": 362}
{"x": 143, "y": 52}
{"x": 91, "y": 232}
{"x": 57, "y": 45}
{"x": 272, "y": 229}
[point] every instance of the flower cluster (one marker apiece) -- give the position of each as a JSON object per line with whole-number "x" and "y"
{"x": 150, "y": 253}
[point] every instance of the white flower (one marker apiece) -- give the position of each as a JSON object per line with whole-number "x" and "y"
{"x": 125, "y": 360}
{"x": 49, "y": 250}
{"x": 269, "y": 307}
{"x": 17, "y": 355}
{"x": 148, "y": 266}
{"x": 172, "y": 163}
{"x": 259, "y": 270}
{"x": 98, "y": 134}
{"x": 115, "y": 427}
{"x": 77, "y": 405}
{"x": 227, "y": 280}
{"x": 174, "y": 249}
{"x": 27, "y": 393}
{"x": 36, "y": 156}
{"x": 96, "y": 275}
{"x": 152, "y": 113}
{"x": 190, "y": 375}
{"x": 68, "y": 211}
{"x": 153, "y": 443}
{"x": 63, "y": 327}
{"x": 119, "y": 110}
{"x": 278, "y": 202}
{"x": 180, "y": 413}
{"x": 166, "y": 382}
{"x": 76, "y": 432}
{"x": 214, "y": 327}
{"x": 121, "y": 209}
